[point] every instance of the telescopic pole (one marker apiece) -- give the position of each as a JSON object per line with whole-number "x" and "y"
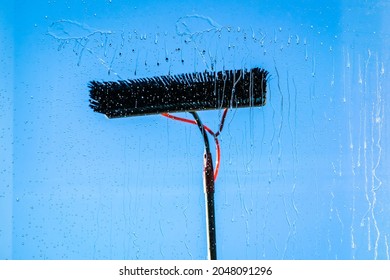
{"x": 208, "y": 182}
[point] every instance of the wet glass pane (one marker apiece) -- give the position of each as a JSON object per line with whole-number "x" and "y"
{"x": 302, "y": 177}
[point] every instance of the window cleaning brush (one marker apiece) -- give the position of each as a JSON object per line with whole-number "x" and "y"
{"x": 188, "y": 92}
{"x": 179, "y": 93}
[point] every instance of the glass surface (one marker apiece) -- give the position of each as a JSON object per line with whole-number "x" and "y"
{"x": 303, "y": 177}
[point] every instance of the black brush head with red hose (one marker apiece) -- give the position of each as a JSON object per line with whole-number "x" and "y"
{"x": 185, "y": 93}
{"x": 179, "y": 93}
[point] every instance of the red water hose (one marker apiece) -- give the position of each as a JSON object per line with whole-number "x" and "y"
{"x": 215, "y": 136}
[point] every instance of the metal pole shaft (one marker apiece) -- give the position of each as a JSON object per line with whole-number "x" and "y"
{"x": 208, "y": 182}
{"x": 210, "y": 210}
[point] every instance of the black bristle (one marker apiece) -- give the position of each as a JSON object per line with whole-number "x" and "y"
{"x": 180, "y": 93}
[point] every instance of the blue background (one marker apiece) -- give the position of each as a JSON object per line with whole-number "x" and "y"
{"x": 303, "y": 177}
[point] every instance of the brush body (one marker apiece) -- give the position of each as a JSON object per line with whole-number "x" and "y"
{"x": 179, "y": 93}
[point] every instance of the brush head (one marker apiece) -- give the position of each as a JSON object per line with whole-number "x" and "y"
{"x": 179, "y": 93}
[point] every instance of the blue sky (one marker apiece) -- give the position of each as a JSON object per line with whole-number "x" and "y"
{"x": 303, "y": 177}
